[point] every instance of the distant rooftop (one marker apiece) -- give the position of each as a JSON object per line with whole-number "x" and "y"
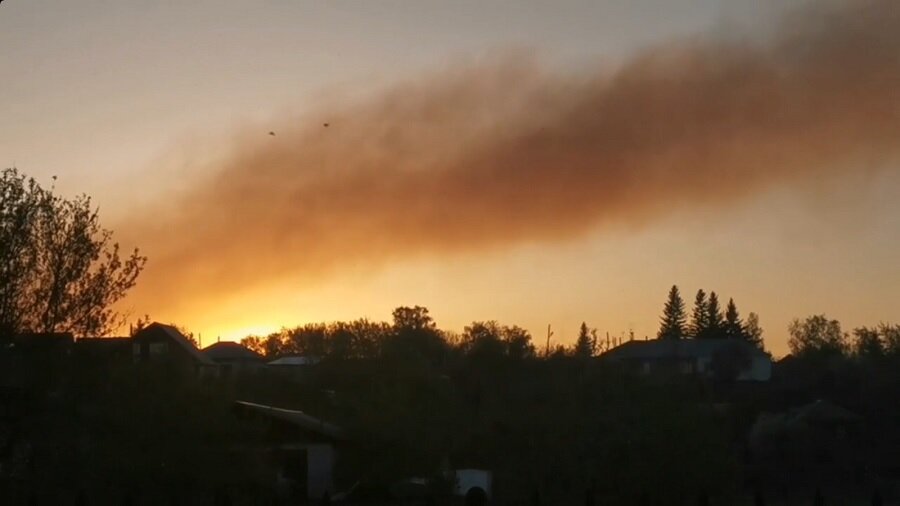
{"x": 295, "y": 417}
{"x": 175, "y": 335}
{"x": 229, "y": 350}
{"x": 676, "y": 348}
{"x": 295, "y": 360}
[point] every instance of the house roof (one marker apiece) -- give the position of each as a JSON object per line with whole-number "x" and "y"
{"x": 230, "y": 350}
{"x": 296, "y": 360}
{"x": 295, "y": 417}
{"x": 43, "y": 339}
{"x": 103, "y": 344}
{"x": 676, "y": 348}
{"x": 176, "y": 336}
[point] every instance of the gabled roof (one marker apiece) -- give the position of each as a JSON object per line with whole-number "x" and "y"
{"x": 677, "y": 348}
{"x": 295, "y": 417}
{"x": 230, "y": 350}
{"x": 176, "y": 336}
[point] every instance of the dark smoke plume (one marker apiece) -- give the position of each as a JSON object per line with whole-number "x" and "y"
{"x": 506, "y": 153}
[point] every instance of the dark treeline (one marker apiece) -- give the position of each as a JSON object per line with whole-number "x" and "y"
{"x": 416, "y": 399}
{"x": 412, "y": 331}
{"x": 364, "y": 338}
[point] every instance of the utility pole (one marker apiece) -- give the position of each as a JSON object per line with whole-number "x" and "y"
{"x": 549, "y": 334}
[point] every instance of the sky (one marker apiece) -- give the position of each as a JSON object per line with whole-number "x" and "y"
{"x": 535, "y": 163}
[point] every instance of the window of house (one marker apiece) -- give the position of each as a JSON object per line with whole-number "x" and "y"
{"x": 159, "y": 348}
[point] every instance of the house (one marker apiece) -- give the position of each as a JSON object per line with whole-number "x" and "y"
{"x": 231, "y": 356}
{"x": 706, "y": 357}
{"x": 166, "y": 344}
{"x": 293, "y": 367}
{"x": 302, "y": 449}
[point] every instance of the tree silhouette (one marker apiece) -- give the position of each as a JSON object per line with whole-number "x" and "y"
{"x": 714, "y": 319}
{"x": 817, "y": 335}
{"x": 518, "y": 342}
{"x": 753, "y": 333}
{"x": 415, "y": 335}
{"x": 59, "y": 269}
{"x": 734, "y": 327}
{"x": 254, "y": 343}
{"x": 413, "y": 318}
{"x": 868, "y": 343}
{"x": 890, "y": 336}
{"x": 672, "y": 324}
{"x": 483, "y": 340}
{"x": 585, "y": 345}
{"x": 700, "y": 316}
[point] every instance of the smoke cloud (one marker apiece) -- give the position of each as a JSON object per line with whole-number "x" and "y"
{"x": 504, "y": 153}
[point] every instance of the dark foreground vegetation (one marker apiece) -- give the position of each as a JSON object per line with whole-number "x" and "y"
{"x": 553, "y": 429}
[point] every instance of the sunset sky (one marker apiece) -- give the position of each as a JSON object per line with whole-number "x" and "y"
{"x": 529, "y": 162}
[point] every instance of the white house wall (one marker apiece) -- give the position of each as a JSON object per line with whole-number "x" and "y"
{"x": 320, "y": 459}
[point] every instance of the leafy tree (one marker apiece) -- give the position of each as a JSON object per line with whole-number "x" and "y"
{"x": 868, "y": 343}
{"x": 560, "y": 351}
{"x": 59, "y": 269}
{"x": 753, "y": 333}
{"x": 875, "y": 342}
{"x": 817, "y": 335}
{"x": 734, "y": 327}
{"x": 254, "y": 343}
{"x": 586, "y": 344}
{"x": 714, "y": 318}
{"x": 490, "y": 339}
{"x": 700, "y": 316}
{"x": 672, "y": 325}
{"x": 415, "y": 335}
{"x": 890, "y": 336}
{"x": 275, "y": 345}
{"x": 139, "y": 325}
{"x": 518, "y": 343}
{"x": 483, "y": 339}
{"x": 310, "y": 340}
{"x": 413, "y": 318}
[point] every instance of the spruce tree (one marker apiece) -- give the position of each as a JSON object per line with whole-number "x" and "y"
{"x": 714, "y": 319}
{"x": 734, "y": 327}
{"x": 672, "y": 323}
{"x": 584, "y": 346}
{"x": 699, "y": 320}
